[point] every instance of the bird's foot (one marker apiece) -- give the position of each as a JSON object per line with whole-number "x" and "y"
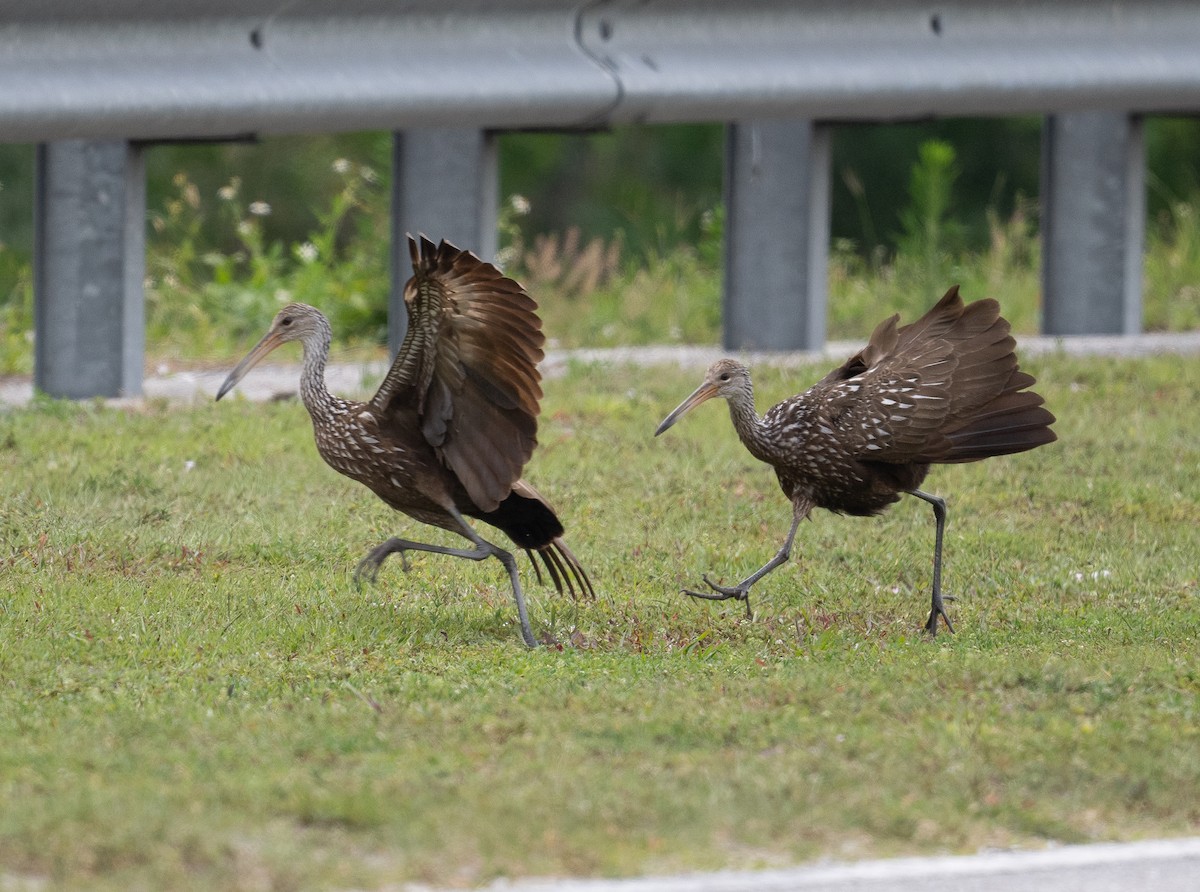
{"x": 368, "y": 569}
{"x": 724, "y": 593}
{"x": 369, "y": 565}
{"x": 938, "y": 609}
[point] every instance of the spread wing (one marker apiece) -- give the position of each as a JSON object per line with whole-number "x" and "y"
{"x": 468, "y": 368}
{"x": 910, "y": 387}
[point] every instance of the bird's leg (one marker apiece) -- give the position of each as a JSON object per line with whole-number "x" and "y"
{"x": 482, "y": 550}
{"x": 741, "y": 591}
{"x": 370, "y": 564}
{"x": 938, "y": 608}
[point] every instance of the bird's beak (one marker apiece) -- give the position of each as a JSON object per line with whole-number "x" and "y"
{"x": 705, "y": 391}
{"x": 270, "y": 341}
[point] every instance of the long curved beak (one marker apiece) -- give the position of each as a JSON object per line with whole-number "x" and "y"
{"x": 700, "y": 394}
{"x": 269, "y": 342}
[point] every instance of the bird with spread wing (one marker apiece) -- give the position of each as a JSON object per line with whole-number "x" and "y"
{"x": 449, "y": 432}
{"x": 943, "y": 389}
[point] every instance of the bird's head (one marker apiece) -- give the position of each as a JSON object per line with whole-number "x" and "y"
{"x": 295, "y": 322}
{"x": 726, "y": 378}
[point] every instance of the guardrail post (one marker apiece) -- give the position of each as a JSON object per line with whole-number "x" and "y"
{"x": 89, "y": 263}
{"x": 444, "y": 184}
{"x": 1093, "y": 223}
{"x": 776, "y": 234}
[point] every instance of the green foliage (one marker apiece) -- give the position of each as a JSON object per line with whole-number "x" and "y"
{"x": 648, "y": 182}
{"x": 194, "y": 695}
{"x": 864, "y": 290}
{"x": 1173, "y": 174}
{"x": 209, "y": 301}
{"x": 16, "y": 315}
{"x": 217, "y": 268}
{"x": 996, "y": 162}
{"x": 1172, "y": 272}
{"x": 652, "y": 184}
{"x": 930, "y": 234}
{"x": 593, "y": 296}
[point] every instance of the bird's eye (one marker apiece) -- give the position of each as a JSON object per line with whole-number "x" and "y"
{"x": 286, "y": 320}
{"x": 724, "y": 376}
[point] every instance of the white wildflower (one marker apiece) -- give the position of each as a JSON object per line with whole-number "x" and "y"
{"x": 260, "y": 208}
{"x": 505, "y": 256}
{"x": 341, "y": 165}
{"x": 520, "y": 205}
{"x": 307, "y": 252}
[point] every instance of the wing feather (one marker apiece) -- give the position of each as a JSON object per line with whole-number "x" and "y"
{"x": 900, "y": 398}
{"x": 468, "y": 366}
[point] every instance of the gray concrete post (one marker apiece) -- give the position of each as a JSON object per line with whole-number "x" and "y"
{"x": 89, "y": 263}
{"x": 1093, "y": 223}
{"x": 777, "y": 198}
{"x": 444, "y": 184}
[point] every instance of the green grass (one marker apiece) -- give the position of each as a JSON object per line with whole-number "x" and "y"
{"x": 193, "y": 694}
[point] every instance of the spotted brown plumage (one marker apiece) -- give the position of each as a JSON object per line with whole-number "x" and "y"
{"x": 943, "y": 389}
{"x": 454, "y": 422}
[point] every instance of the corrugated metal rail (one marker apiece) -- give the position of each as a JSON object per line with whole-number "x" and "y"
{"x": 165, "y": 69}
{"x": 95, "y": 81}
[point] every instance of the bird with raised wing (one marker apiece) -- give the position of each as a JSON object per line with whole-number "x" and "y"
{"x": 943, "y": 389}
{"x": 448, "y": 433}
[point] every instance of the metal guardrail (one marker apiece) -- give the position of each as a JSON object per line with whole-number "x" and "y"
{"x": 167, "y": 69}
{"x": 876, "y": 59}
{"x": 443, "y": 72}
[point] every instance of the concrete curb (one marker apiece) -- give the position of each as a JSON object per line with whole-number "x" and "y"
{"x": 1159, "y": 865}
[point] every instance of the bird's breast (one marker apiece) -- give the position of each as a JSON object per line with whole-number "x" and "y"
{"x": 362, "y": 453}
{"x": 813, "y": 457}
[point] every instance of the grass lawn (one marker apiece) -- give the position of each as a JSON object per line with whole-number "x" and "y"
{"x": 193, "y": 695}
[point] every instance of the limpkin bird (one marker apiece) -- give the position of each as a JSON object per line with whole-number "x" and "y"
{"x": 943, "y": 389}
{"x": 451, "y": 428}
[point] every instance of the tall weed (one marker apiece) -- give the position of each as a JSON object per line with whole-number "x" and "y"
{"x": 1171, "y": 276}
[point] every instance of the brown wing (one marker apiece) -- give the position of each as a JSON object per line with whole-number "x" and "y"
{"x": 468, "y": 367}
{"x": 911, "y": 386}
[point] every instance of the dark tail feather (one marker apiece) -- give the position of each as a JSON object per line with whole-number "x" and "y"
{"x": 531, "y": 523}
{"x": 537, "y": 571}
{"x": 558, "y": 554}
{"x": 564, "y": 568}
{"x": 557, "y": 576}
